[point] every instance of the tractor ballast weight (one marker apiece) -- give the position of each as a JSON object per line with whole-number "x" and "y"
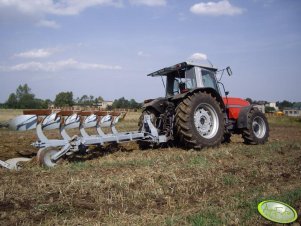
{"x": 193, "y": 114}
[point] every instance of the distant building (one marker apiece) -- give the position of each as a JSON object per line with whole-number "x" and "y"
{"x": 292, "y": 112}
{"x": 81, "y": 107}
{"x": 272, "y": 105}
{"x": 104, "y": 104}
{"x": 260, "y": 107}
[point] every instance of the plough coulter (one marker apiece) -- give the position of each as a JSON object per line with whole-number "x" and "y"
{"x": 196, "y": 112}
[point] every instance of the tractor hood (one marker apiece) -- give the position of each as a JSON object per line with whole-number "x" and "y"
{"x": 234, "y": 106}
{"x": 235, "y": 102}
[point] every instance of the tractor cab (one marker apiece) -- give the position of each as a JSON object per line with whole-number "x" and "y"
{"x": 184, "y": 77}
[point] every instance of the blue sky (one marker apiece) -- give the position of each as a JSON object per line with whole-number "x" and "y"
{"x": 107, "y": 47}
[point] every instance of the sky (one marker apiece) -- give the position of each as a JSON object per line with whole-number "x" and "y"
{"x": 107, "y": 47}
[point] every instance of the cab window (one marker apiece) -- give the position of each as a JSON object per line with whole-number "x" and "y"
{"x": 208, "y": 79}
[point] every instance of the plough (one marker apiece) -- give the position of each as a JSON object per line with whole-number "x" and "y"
{"x": 52, "y": 150}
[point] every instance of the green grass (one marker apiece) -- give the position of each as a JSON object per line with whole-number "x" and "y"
{"x": 205, "y": 218}
{"x": 230, "y": 180}
{"x": 79, "y": 166}
{"x": 198, "y": 161}
{"x": 167, "y": 186}
{"x": 284, "y": 121}
{"x": 289, "y": 197}
{"x": 128, "y": 163}
{"x": 173, "y": 220}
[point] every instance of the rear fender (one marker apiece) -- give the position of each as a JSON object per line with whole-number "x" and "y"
{"x": 213, "y": 92}
{"x": 242, "y": 120}
{"x": 158, "y": 105}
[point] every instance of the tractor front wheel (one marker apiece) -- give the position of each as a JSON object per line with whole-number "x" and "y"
{"x": 257, "y": 131}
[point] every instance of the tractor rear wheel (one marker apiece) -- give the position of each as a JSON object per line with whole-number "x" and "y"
{"x": 257, "y": 131}
{"x": 199, "y": 121}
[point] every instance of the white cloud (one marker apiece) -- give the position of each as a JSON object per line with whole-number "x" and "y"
{"x": 37, "y": 53}
{"x": 197, "y": 57}
{"x": 69, "y": 64}
{"x": 142, "y": 54}
{"x": 149, "y": 2}
{"x": 48, "y": 23}
{"x": 62, "y": 7}
{"x": 220, "y": 8}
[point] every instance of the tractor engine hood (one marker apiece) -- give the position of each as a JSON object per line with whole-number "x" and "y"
{"x": 234, "y": 101}
{"x": 234, "y": 105}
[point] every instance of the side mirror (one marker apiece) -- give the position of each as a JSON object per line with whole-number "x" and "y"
{"x": 229, "y": 71}
{"x": 227, "y": 93}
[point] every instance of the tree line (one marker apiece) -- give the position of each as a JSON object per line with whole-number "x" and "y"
{"x": 24, "y": 98}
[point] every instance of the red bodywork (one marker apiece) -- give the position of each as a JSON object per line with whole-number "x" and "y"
{"x": 233, "y": 106}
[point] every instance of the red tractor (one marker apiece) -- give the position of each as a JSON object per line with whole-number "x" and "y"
{"x": 194, "y": 114}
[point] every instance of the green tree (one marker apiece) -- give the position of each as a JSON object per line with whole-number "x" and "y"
{"x": 133, "y": 104}
{"x": 48, "y": 102}
{"x": 297, "y": 105}
{"x": 24, "y": 98}
{"x": 91, "y": 99}
{"x": 124, "y": 103}
{"x": 99, "y": 99}
{"x": 12, "y": 101}
{"x": 269, "y": 109}
{"x": 249, "y": 100}
{"x": 84, "y": 100}
{"x": 64, "y": 99}
{"x": 284, "y": 104}
{"x": 23, "y": 90}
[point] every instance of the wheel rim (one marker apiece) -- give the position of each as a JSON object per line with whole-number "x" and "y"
{"x": 259, "y": 127}
{"x": 206, "y": 121}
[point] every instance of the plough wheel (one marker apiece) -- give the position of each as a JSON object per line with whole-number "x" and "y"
{"x": 44, "y": 157}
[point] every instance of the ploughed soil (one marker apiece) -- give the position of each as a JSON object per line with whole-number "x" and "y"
{"x": 122, "y": 185}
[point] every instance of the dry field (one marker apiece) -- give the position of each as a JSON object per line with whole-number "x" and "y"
{"x": 169, "y": 186}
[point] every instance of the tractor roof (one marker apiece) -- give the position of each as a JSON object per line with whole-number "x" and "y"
{"x": 184, "y": 65}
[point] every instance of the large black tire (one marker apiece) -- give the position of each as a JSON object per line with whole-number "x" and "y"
{"x": 199, "y": 121}
{"x": 226, "y": 138}
{"x": 257, "y": 131}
